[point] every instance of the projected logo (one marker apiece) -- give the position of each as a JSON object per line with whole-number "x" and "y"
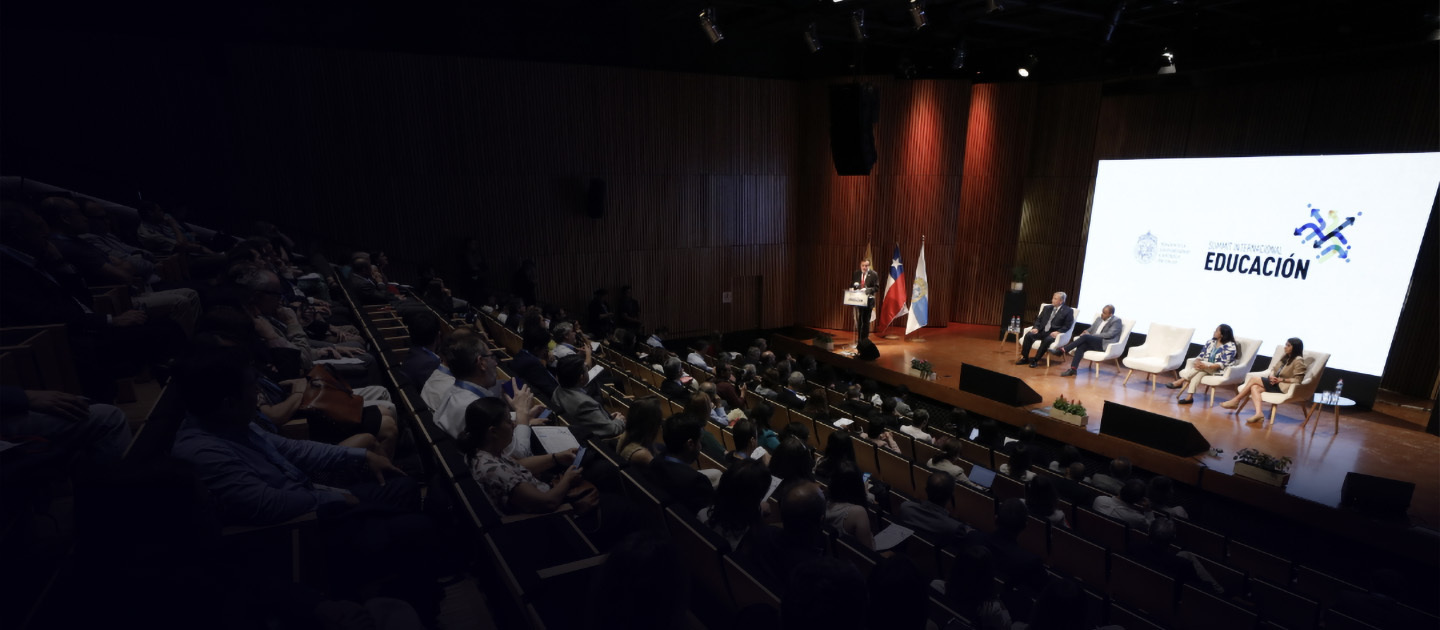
{"x": 1332, "y": 244}
{"x": 1146, "y": 247}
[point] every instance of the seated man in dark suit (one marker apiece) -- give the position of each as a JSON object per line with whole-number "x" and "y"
{"x": 673, "y": 387}
{"x": 1103, "y": 332}
{"x": 1115, "y": 480}
{"x": 931, "y": 518}
{"x": 529, "y": 363}
{"x": 1073, "y": 489}
{"x": 1013, "y": 564}
{"x": 422, "y": 360}
{"x": 790, "y": 395}
{"x": 363, "y": 288}
{"x": 673, "y": 473}
{"x": 1054, "y": 320}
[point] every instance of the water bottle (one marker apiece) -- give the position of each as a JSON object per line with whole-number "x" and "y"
{"x": 1339, "y": 386}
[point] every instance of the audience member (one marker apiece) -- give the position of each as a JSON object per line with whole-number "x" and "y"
{"x": 790, "y": 395}
{"x": 1130, "y": 507}
{"x": 972, "y": 591}
{"x": 66, "y": 423}
{"x": 513, "y": 485}
{"x": 931, "y": 518}
{"x": 761, "y": 415}
{"x": 1068, "y": 455}
{"x": 1019, "y": 465}
{"x": 529, "y": 363}
{"x": 737, "y": 501}
{"x": 674, "y": 386}
{"x": 774, "y": 553}
{"x": 1161, "y": 493}
{"x": 1014, "y": 565}
{"x": 746, "y": 443}
{"x": 948, "y": 460}
{"x": 1043, "y": 502}
{"x": 637, "y": 445}
{"x": 791, "y": 462}
{"x": 1158, "y": 552}
{"x": 673, "y": 472}
{"x": 847, "y": 511}
{"x": 1112, "y": 482}
{"x": 442, "y": 380}
{"x": 1072, "y": 488}
{"x": 840, "y": 448}
{"x": 578, "y": 407}
{"x": 421, "y": 361}
{"x": 915, "y": 426}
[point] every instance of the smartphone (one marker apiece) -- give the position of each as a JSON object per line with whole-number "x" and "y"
{"x": 513, "y": 385}
{"x": 866, "y": 478}
{"x": 579, "y": 456}
{"x": 544, "y": 413}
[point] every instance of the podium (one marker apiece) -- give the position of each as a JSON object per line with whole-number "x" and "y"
{"x": 856, "y": 299}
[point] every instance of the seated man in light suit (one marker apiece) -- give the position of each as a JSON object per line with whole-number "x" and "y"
{"x": 1055, "y": 318}
{"x": 1103, "y": 332}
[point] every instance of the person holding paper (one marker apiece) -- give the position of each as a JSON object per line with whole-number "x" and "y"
{"x": 931, "y": 518}
{"x": 846, "y": 509}
{"x": 577, "y": 406}
{"x": 747, "y": 445}
{"x": 868, "y": 281}
{"x": 1103, "y": 332}
{"x": 513, "y": 485}
{"x": 674, "y": 472}
{"x": 1054, "y": 319}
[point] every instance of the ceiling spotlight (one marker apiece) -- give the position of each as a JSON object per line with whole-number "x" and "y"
{"x": 857, "y": 24}
{"x": 917, "y": 14}
{"x": 707, "y": 24}
{"x": 1027, "y": 65}
{"x": 958, "y": 61}
{"x": 812, "y": 40}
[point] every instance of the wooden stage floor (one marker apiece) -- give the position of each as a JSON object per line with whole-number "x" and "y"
{"x": 1392, "y": 445}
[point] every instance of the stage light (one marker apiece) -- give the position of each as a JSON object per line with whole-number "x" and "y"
{"x": 917, "y": 14}
{"x": 812, "y": 40}
{"x": 1028, "y": 65}
{"x": 857, "y": 24}
{"x": 958, "y": 61}
{"x": 707, "y": 24}
{"x": 1169, "y": 67}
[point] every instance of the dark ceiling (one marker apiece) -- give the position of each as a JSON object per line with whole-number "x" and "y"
{"x": 1070, "y": 39}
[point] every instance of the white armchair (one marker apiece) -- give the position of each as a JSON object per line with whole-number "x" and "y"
{"x": 1112, "y": 351}
{"x": 1164, "y": 349}
{"x": 1235, "y": 373}
{"x": 1060, "y": 341}
{"x": 1302, "y": 393}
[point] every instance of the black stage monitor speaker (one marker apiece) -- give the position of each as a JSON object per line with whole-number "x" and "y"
{"x": 866, "y": 350}
{"x": 996, "y": 386}
{"x": 1376, "y": 496}
{"x": 1164, "y": 433}
{"x": 854, "y": 108}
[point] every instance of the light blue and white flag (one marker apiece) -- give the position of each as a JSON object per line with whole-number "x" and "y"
{"x": 919, "y": 296}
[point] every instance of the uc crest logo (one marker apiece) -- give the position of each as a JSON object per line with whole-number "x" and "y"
{"x": 1145, "y": 248}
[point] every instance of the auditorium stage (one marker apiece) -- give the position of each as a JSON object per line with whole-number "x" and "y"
{"x": 1370, "y": 442}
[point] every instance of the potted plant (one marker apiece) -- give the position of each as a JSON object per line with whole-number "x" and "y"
{"x": 1017, "y": 277}
{"x": 920, "y": 368}
{"x": 1263, "y": 467}
{"x": 1069, "y": 411}
{"x": 824, "y": 342}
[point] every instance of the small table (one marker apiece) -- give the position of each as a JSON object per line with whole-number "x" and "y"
{"x": 1009, "y": 332}
{"x": 1327, "y": 398}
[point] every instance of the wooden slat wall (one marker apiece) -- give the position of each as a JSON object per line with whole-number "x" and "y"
{"x": 913, "y": 191}
{"x": 430, "y": 150}
{"x": 997, "y": 153}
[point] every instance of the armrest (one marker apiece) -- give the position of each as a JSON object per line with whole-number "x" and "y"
{"x": 506, "y": 519}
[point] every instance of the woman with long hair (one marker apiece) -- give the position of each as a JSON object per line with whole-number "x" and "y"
{"x": 1285, "y": 372}
{"x": 642, "y": 432}
{"x": 839, "y": 448}
{"x": 847, "y": 500}
{"x": 1217, "y": 354}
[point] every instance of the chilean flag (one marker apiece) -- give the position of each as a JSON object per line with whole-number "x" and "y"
{"x": 894, "y": 303}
